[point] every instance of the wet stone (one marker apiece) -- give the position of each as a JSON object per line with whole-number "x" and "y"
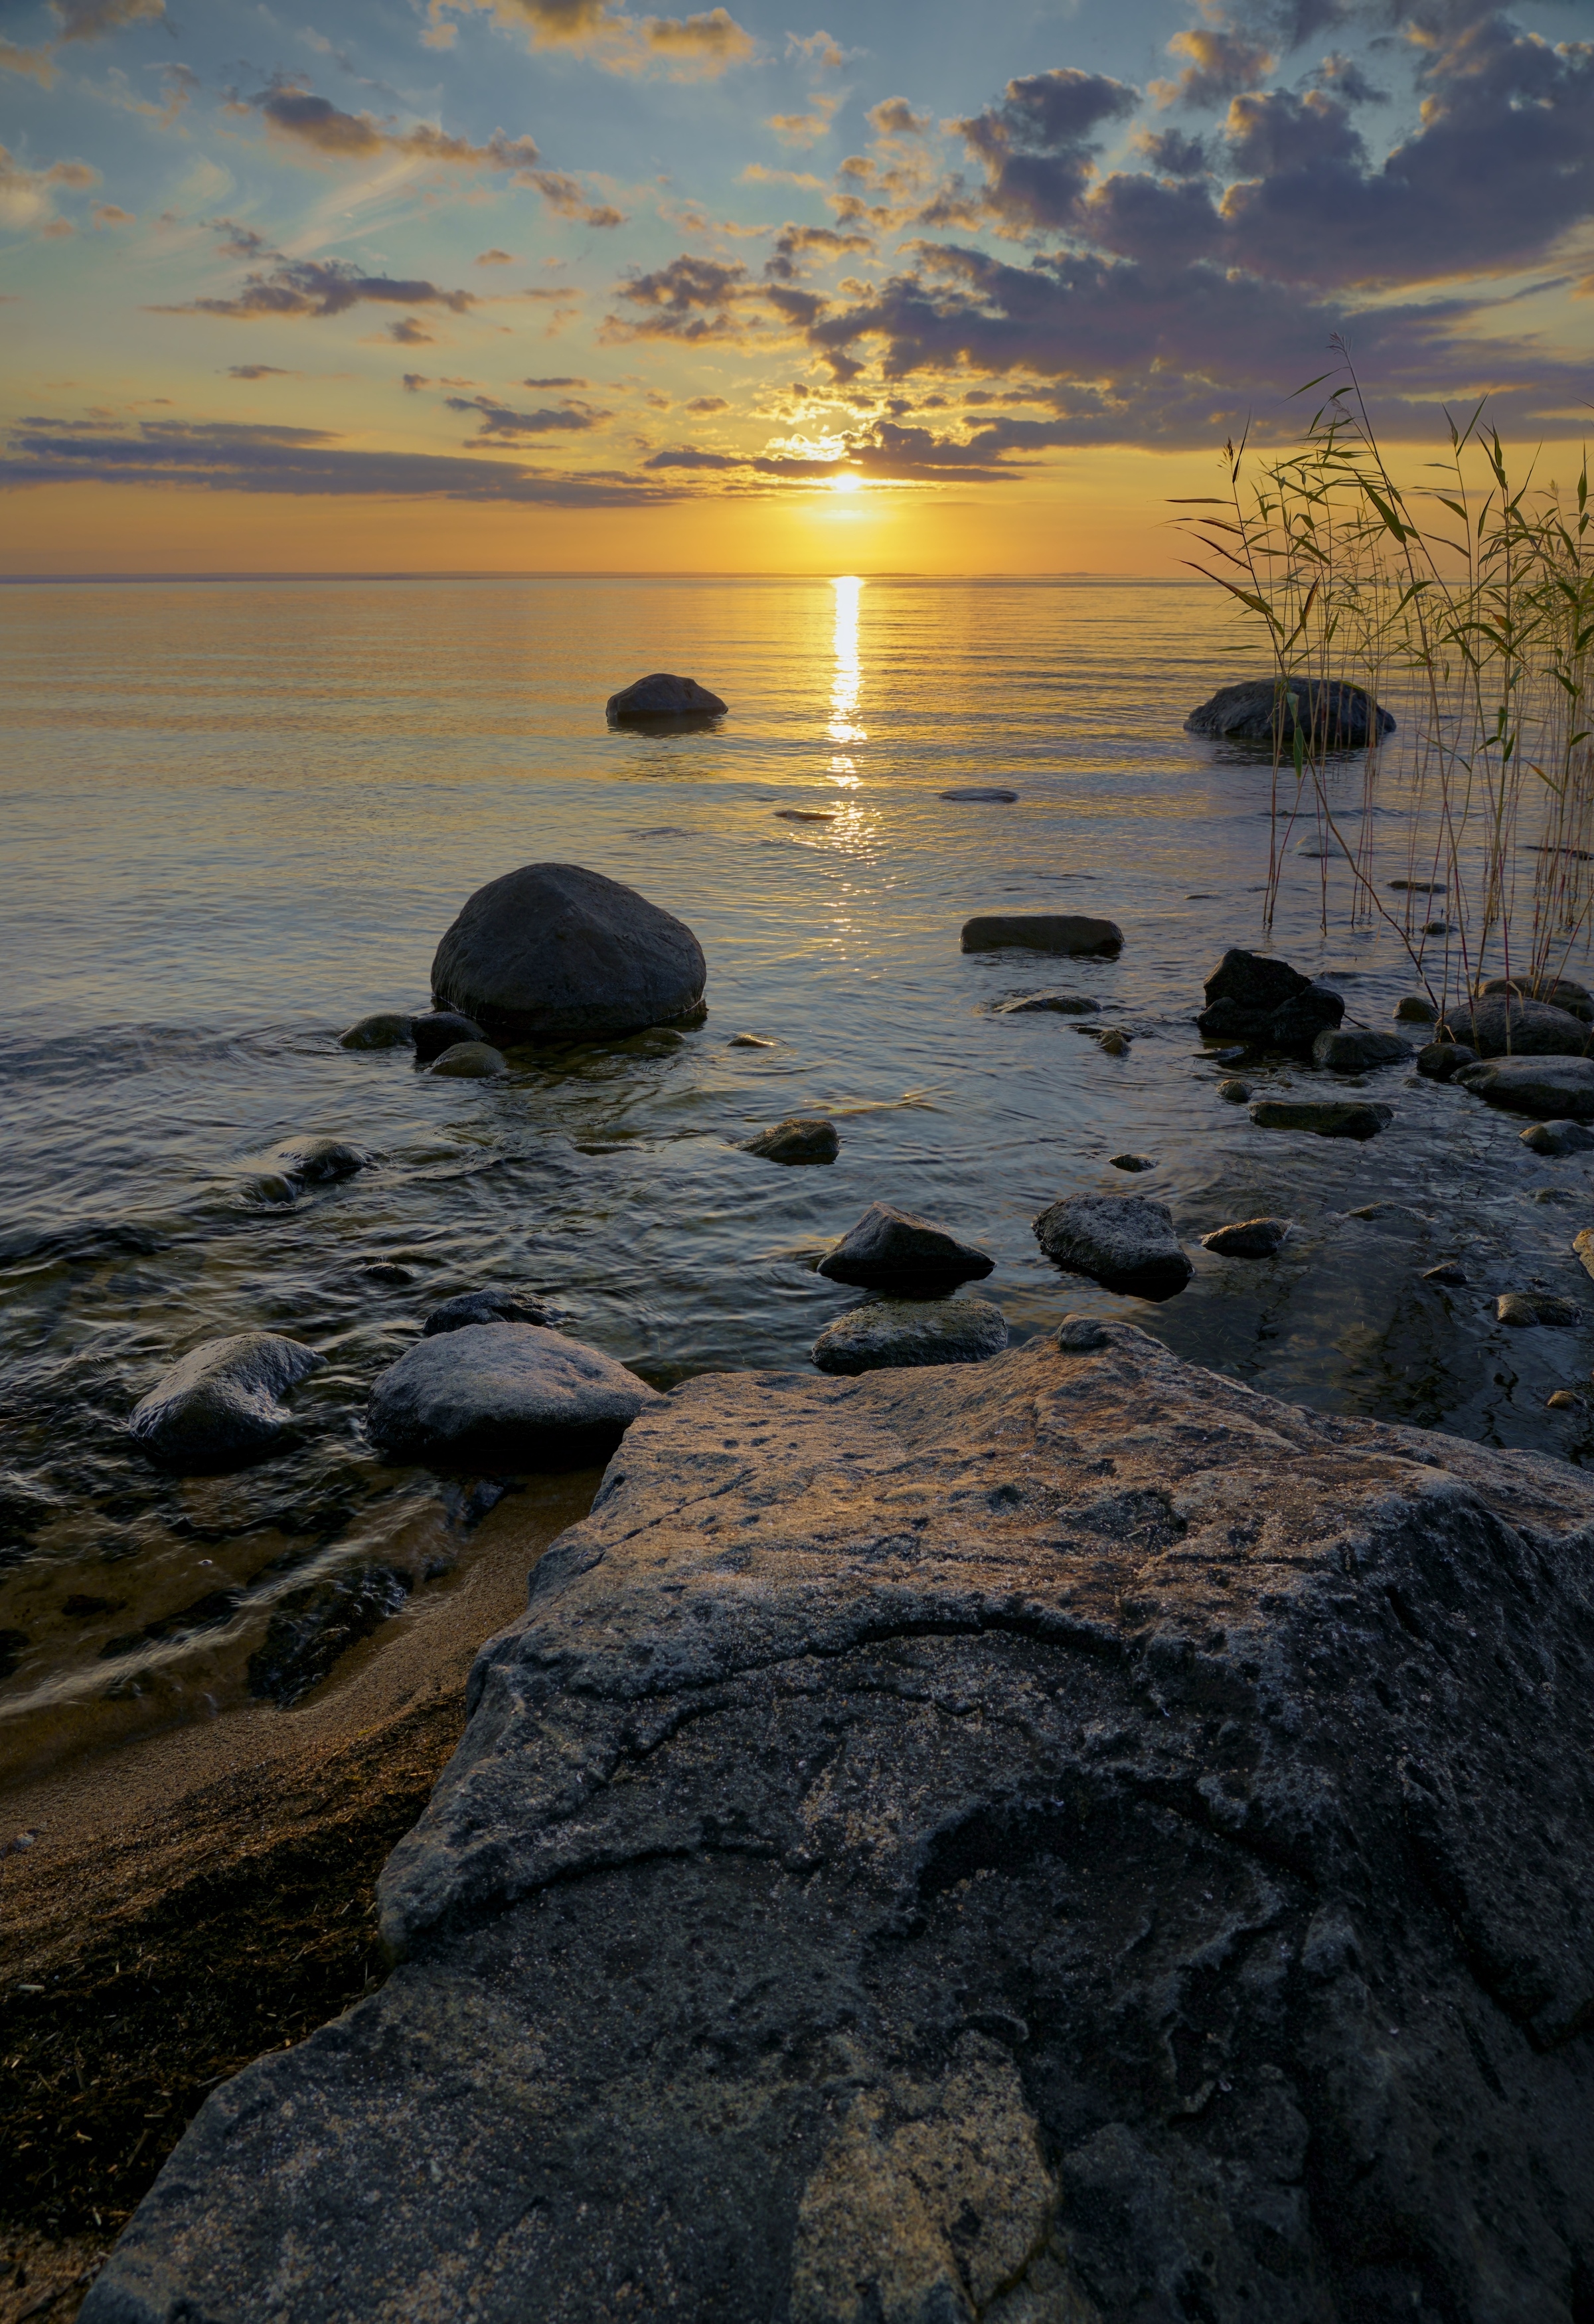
{"x": 890, "y": 1249}
{"x": 1236, "y": 1092}
{"x": 1322, "y": 1120}
{"x": 1415, "y": 1010}
{"x": 1249, "y": 1238}
{"x": 470, "y": 1061}
{"x": 1131, "y": 1162}
{"x": 1525, "y": 1308}
{"x": 1073, "y": 933}
{"x": 317, "y": 1161}
{"x": 1081, "y": 1336}
{"x": 800, "y": 1138}
{"x": 1056, "y": 1004}
{"x": 1558, "y": 1137}
{"x": 1352, "y": 1049}
{"x": 1447, "y": 1270}
{"x": 498, "y": 1303}
{"x": 1556, "y": 1088}
{"x": 503, "y": 1397}
{"x": 887, "y": 1333}
{"x": 982, "y": 795}
{"x": 386, "y": 1030}
{"x": 1441, "y": 1059}
{"x": 222, "y": 1405}
{"x": 441, "y": 1028}
{"x": 1122, "y": 1241}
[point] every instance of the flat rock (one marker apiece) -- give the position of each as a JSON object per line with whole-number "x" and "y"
{"x": 498, "y": 1303}
{"x": 1500, "y": 1025}
{"x": 317, "y": 1161}
{"x": 1524, "y": 1308}
{"x": 661, "y": 694}
{"x": 1056, "y": 1004}
{"x": 437, "y": 1029}
{"x": 1065, "y": 1838}
{"x": 887, "y": 1333}
{"x": 1249, "y": 1238}
{"x": 503, "y": 1397}
{"x": 1420, "y": 887}
{"x": 1122, "y": 1241}
{"x": 1332, "y": 714}
{"x": 805, "y": 815}
{"x": 1072, "y": 933}
{"x": 801, "y": 1138}
{"x": 890, "y": 1249}
{"x": 556, "y": 953}
{"x": 1556, "y": 1088}
{"x": 1267, "y": 1004}
{"x": 387, "y": 1030}
{"x": 1440, "y": 1060}
{"x": 1330, "y": 1118}
{"x": 222, "y": 1405}
{"x": 470, "y": 1061}
{"x": 982, "y": 795}
{"x": 1557, "y": 1138}
{"x": 1351, "y": 1049}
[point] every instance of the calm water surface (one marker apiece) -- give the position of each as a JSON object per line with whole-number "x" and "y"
{"x": 238, "y": 817}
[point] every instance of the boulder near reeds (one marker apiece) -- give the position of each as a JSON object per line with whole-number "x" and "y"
{"x": 1503, "y": 1024}
{"x": 1332, "y": 715}
{"x": 556, "y": 953}
{"x": 1267, "y": 1004}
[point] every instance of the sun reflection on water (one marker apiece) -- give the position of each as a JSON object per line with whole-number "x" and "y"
{"x": 846, "y": 684}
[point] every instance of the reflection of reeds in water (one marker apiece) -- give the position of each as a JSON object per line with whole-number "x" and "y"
{"x": 1467, "y": 605}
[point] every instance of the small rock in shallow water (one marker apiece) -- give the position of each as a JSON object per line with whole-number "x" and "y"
{"x": 1131, "y": 1162}
{"x": 1554, "y": 1194}
{"x": 1415, "y": 1010}
{"x": 1330, "y": 713}
{"x": 439, "y": 1030}
{"x": 311, "y": 1628}
{"x": 1237, "y": 1092}
{"x": 1558, "y": 1137}
{"x": 1321, "y": 846}
{"x": 220, "y": 1406}
{"x": 796, "y": 1140}
{"x": 1563, "y": 1400}
{"x": 470, "y": 1061}
{"x": 1123, "y": 1241}
{"x": 385, "y": 1031}
{"x": 503, "y": 1397}
{"x": 1557, "y": 1089}
{"x": 751, "y": 1041}
{"x": 1436, "y": 927}
{"x": 805, "y": 815}
{"x": 1057, "y": 1004}
{"x": 1419, "y": 886}
{"x": 1071, "y": 933}
{"x": 1449, "y": 1270}
{"x": 317, "y": 1161}
{"x": 385, "y": 1270}
{"x": 1524, "y": 1308}
{"x": 1249, "y": 1238}
{"x": 1351, "y": 1049}
{"x": 1111, "y": 1043}
{"x": 891, "y": 1333}
{"x": 1325, "y": 1120}
{"x": 1266, "y": 1004}
{"x": 1440, "y": 1060}
{"x": 896, "y": 1250}
{"x": 1384, "y": 1211}
{"x": 977, "y": 795}
{"x": 505, "y": 1304}
{"x": 1078, "y": 1335}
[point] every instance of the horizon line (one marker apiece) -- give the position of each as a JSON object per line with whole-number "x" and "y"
{"x": 555, "y": 573}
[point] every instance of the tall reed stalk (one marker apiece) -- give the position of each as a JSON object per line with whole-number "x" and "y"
{"x": 1464, "y": 604}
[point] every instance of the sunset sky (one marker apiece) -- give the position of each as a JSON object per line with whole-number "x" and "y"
{"x": 553, "y": 285}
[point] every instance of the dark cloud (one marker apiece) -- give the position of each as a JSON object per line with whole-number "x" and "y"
{"x": 1035, "y": 144}
{"x": 414, "y": 380}
{"x": 239, "y": 241}
{"x": 1223, "y": 62}
{"x": 1173, "y": 155}
{"x": 218, "y": 457}
{"x": 495, "y": 258}
{"x": 690, "y": 300}
{"x": 497, "y": 419}
{"x": 795, "y": 242}
{"x": 707, "y": 403}
{"x": 545, "y": 384}
{"x": 317, "y": 287}
{"x": 410, "y": 331}
{"x": 260, "y": 371}
{"x": 688, "y": 455}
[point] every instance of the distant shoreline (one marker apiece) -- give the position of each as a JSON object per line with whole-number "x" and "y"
{"x": 898, "y": 580}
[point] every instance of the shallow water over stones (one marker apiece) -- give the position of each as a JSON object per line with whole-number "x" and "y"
{"x": 245, "y": 816}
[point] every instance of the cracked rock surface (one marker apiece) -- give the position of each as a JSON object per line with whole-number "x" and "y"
{"x": 1069, "y": 1840}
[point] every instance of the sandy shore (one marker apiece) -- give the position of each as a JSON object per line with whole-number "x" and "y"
{"x": 206, "y": 1894}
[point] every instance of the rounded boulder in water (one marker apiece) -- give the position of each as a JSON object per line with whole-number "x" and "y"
{"x": 556, "y": 953}
{"x": 1123, "y": 1241}
{"x": 470, "y": 1061}
{"x": 662, "y": 695}
{"x": 889, "y": 1335}
{"x": 437, "y": 1029}
{"x": 800, "y": 1139}
{"x": 497, "y": 1304}
{"x": 504, "y": 1396}
{"x": 221, "y": 1406}
{"x": 386, "y": 1030}
{"x": 890, "y": 1249}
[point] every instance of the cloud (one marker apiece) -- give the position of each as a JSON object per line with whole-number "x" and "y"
{"x": 37, "y": 64}
{"x": 27, "y": 196}
{"x": 541, "y": 385}
{"x": 565, "y": 196}
{"x": 756, "y": 174}
{"x": 220, "y": 457}
{"x": 410, "y": 332}
{"x": 690, "y": 300}
{"x": 498, "y": 420}
{"x": 238, "y": 241}
{"x": 316, "y": 288}
{"x": 1172, "y": 153}
{"x": 893, "y": 116}
{"x": 708, "y": 403}
{"x": 1223, "y": 62}
{"x": 820, "y": 50}
{"x": 415, "y": 381}
{"x": 796, "y": 242}
{"x": 108, "y": 214}
{"x": 696, "y": 47}
{"x": 806, "y": 128}
{"x": 495, "y": 258}
{"x": 90, "y": 20}
{"x": 260, "y": 371}
{"x": 688, "y": 455}
{"x": 1035, "y": 145}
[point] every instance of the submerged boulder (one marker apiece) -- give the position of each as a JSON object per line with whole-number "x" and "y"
{"x": 1338, "y": 1118}
{"x": 1073, "y": 934}
{"x": 1122, "y": 1241}
{"x": 1266, "y": 1004}
{"x": 1067, "y": 1837}
{"x": 893, "y": 1333}
{"x": 435, "y": 1031}
{"x": 1249, "y": 1238}
{"x": 1331, "y": 715}
{"x": 661, "y": 694}
{"x": 1051, "y": 1004}
{"x": 317, "y": 1161}
{"x": 556, "y": 953}
{"x": 222, "y": 1405}
{"x": 1500, "y": 1025}
{"x": 1556, "y": 1088}
{"x": 498, "y": 1303}
{"x": 1441, "y": 1061}
{"x": 470, "y": 1061}
{"x": 801, "y": 1138}
{"x": 386, "y": 1030}
{"x": 503, "y": 1397}
{"x": 890, "y": 1249}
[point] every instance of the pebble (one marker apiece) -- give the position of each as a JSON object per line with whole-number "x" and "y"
{"x": 1112, "y": 1044}
{"x": 1326, "y": 1121}
{"x": 1057, "y": 1004}
{"x": 1558, "y": 1137}
{"x": 498, "y": 1303}
{"x": 751, "y": 1041}
{"x": 439, "y": 1030}
{"x": 803, "y": 814}
{"x": 1415, "y": 1010}
{"x": 1440, "y": 1060}
{"x": 317, "y": 1161}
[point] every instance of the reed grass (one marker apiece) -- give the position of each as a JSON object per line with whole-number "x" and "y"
{"x": 1464, "y": 604}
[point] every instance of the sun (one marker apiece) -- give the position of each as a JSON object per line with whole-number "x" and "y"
{"x": 846, "y": 483}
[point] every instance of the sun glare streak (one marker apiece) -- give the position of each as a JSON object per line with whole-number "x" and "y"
{"x": 846, "y": 684}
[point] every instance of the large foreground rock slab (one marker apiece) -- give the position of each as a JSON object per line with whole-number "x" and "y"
{"x": 1063, "y": 1839}
{"x": 556, "y": 953}
{"x": 222, "y": 1405}
{"x": 503, "y": 1396}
